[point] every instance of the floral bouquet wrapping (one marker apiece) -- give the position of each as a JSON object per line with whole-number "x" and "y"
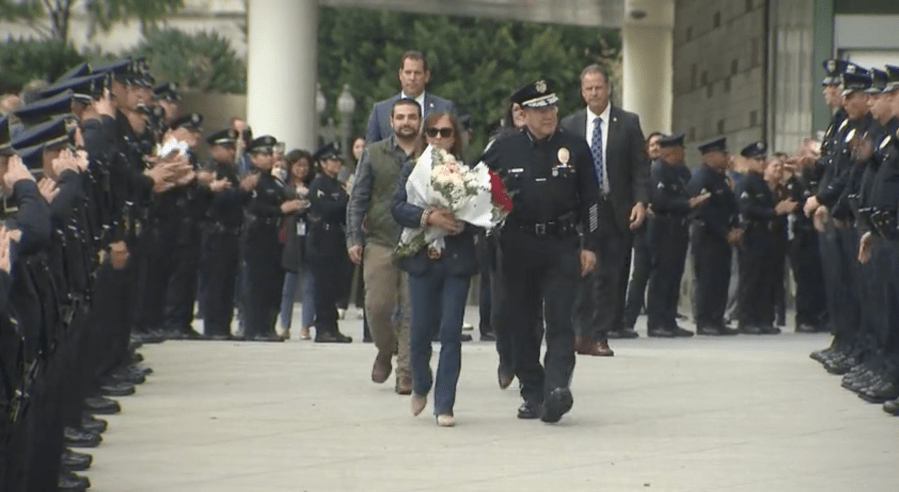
{"x": 475, "y": 195}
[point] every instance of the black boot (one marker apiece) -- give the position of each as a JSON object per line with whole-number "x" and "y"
{"x": 80, "y": 438}
{"x": 69, "y": 482}
{"x": 73, "y": 461}
{"x": 98, "y": 405}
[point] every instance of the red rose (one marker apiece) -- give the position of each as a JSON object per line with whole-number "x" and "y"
{"x": 498, "y": 192}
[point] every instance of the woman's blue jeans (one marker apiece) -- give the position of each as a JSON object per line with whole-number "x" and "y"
{"x": 292, "y": 280}
{"x": 437, "y": 301}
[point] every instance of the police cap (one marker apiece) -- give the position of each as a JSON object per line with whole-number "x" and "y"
{"x": 265, "y": 143}
{"x": 51, "y": 133}
{"x": 539, "y": 94}
{"x": 82, "y": 87}
{"x": 118, "y": 69}
{"x": 853, "y": 82}
{"x": 224, "y": 137}
{"x": 714, "y": 145}
{"x": 878, "y": 81}
{"x": 190, "y": 121}
{"x": 892, "y": 78}
{"x": 755, "y": 150}
{"x": 328, "y": 151}
{"x": 45, "y": 109}
{"x": 673, "y": 140}
{"x": 80, "y": 70}
{"x": 32, "y": 157}
{"x": 167, "y": 91}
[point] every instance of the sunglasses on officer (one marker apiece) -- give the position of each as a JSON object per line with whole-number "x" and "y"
{"x": 443, "y": 132}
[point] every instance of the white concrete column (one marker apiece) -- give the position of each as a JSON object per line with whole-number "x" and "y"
{"x": 282, "y": 66}
{"x": 647, "y": 75}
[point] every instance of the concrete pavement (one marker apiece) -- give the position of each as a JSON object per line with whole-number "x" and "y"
{"x": 738, "y": 414}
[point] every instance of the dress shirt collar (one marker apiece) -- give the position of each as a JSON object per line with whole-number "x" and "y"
{"x": 420, "y": 100}
{"x": 591, "y": 116}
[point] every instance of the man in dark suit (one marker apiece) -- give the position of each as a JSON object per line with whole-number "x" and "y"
{"x": 413, "y": 75}
{"x": 622, "y": 169}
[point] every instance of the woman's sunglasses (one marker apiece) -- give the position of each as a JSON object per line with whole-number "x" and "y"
{"x": 444, "y": 132}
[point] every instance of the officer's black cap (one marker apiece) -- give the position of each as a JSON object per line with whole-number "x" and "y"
{"x": 138, "y": 73}
{"x": 265, "y": 143}
{"x": 755, "y": 149}
{"x": 892, "y": 78}
{"x": 539, "y": 94}
{"x": 714, "y": 145}
{"x": 853, "y": 82}
{"x": 51, "y": 133}
{"x": 5, "y": 143}
{"x": 191, "y": 121}
{"x": 118, "y": 69}
{"x": 328, "y": 151}
{"x": 833, "y": 68}
{"x": 82, "y": 87}
{"x": 878, "y": 81}
{"x": 224, "y": 137}
{"x": 673, "y": 140}
{"x": 32, "y": 157}
{"x": 80, "y": 70}
{"x": 168, "y": 91}
{"x": 45, "y": 109}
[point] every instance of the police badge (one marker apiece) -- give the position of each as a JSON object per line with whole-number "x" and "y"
{"x": 540, "y": 85}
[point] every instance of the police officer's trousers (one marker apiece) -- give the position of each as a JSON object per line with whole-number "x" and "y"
{"x": 805, "y": 260}
{"x": 265, "y": 277}
{"x": 668, "y": 239}
{"x": 539, "y": 270}
{"x": 220, "y": 264}
{"x": 711, "y": 264}
{"x": 757, "y": 271}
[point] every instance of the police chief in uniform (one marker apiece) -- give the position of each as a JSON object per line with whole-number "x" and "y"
{"x": 714, "y": 232}
{"x": 548, "y": 243}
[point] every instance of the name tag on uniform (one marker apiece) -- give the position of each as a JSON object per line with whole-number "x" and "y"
{"x": 301, "y": 228}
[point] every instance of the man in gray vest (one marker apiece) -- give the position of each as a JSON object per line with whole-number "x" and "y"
{"x": 372, "y": 235}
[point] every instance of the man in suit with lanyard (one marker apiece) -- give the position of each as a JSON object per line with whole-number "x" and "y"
{"x": 622, "y": 169}
{"x": 413, "y": 75}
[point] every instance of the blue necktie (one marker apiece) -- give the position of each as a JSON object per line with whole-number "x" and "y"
{"x": 596, "y": 149}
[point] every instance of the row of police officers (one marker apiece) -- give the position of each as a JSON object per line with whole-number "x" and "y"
{"x": 110, "y": 223}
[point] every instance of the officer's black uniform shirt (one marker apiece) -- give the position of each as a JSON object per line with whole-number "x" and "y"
{"x": 669, "y": 191}
{"x": 756, "y": 200}
{"x": 264, "y": 203}
{"x": 884, "y": 152}
{"x": 547, "y": 179}
{"x": 719, "y": 213}
{"x": 823, "y": 169}
{"x": 226, "y": 207}
{"x": 838, "y": 177}
{"x": 327, "y": 201}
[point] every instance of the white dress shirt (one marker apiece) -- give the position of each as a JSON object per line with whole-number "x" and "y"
{"x": 604, "y": 128}
{"x": 420, "y": 100}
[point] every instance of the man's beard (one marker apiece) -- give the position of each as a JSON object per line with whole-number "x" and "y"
{"x": 406, "y": 132}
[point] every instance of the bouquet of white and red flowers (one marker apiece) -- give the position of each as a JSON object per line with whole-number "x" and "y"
{"x": 474, "y": 195}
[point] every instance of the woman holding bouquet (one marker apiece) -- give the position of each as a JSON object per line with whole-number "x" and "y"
{"x": 438, "y": 279}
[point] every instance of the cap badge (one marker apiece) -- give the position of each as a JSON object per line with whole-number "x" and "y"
{"x": 540, "y": 85}
{"x": 831, "y": 65}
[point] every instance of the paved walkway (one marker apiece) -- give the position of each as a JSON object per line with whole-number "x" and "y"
{"x": 741, "y": 414}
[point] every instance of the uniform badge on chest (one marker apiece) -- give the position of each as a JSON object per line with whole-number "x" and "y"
{"x": 564, "y": 156}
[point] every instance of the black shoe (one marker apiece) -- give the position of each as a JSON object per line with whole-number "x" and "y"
{"x": 270, "y": 337}
{"x": 529, "y": 410}
{"x": 880, "y": 393}
{"x": 488, "y": 337}
{"x": 661, "y": 333}
{"x": 72, "y": 461}
{"x": 750, "y": 330}
{"x": 623, "y": 333}
{"x": 117, "y": 388}
{"x": 190, "y": 334}
{"x": 136, "y": 358}
{"x": 218, "y": 337}
{"x": 150, "y": 336}
{"x": 727, "y": 331}
{"x": 80, "y": 438}
{"x": 125, "y": 375}
{"x": 69, "y": 482}
{"x": 708, "y": 330}
{"x": 770, "y": 330}
{"x": 891, "y": 407}
{"x": 558, "y": 403}
{"x": 806, "y": 328}
{"x": 681, "y": 333}
{"x": 92, "y": 424}
{"x": 465, "y": 337}
{"x": 98, "y": 405}
{"x": 329, "y": 337}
